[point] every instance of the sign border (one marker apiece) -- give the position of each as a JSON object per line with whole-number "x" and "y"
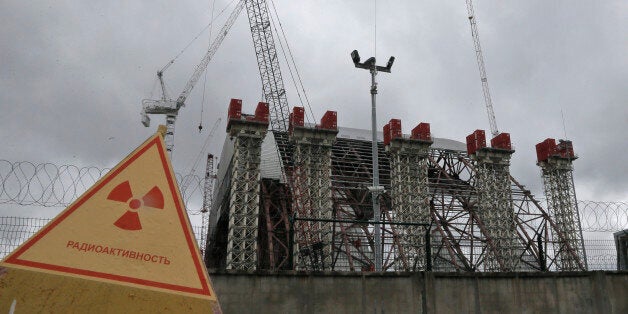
{"x": 155, "y": 141}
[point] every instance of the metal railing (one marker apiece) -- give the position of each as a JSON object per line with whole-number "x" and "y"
{"x": 426, "y": 226}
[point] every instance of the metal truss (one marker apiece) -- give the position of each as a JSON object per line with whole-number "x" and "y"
{"x": 268, "y": 63}
{"x": 409, "y": 193}
{"x": 244, "y": 204}
{"x": 274, "y": 235}
{"x": 482, "y": 218}
{"x": 495, "y": 208}
{"x": 208, "y": 198}
{"x": 351, "y": 175}
{"x": 312, "y": 196}
{"x": 557, "y": 173}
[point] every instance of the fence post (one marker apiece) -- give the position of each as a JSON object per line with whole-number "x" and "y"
{"x": 291, "y": 243}
{"x": 428, "y": 249}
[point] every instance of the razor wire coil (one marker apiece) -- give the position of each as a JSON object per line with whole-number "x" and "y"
{"x": 48, "y": 185}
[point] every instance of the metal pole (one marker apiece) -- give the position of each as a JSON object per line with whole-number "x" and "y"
{"x": 376, "y": 190}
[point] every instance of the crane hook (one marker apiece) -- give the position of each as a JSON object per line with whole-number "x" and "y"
{"x": 200, "y": 128}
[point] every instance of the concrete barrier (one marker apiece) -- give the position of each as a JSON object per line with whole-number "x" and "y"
{"x": 329, "y": 292}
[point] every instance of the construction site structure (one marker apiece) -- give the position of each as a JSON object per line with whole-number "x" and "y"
{"x": 169, "y": 107}
{"x": 488, "y": 102}
{"x": 309, "y": 208}
{"x": 268, "y": 63}
{"x": 312, "y": 193}
{"x": 409, "y": 190}
{"x": 494, "y": 208}
{"x": 248, "y": 132}
{"x": 555, "y": 161}
{"x": 208, "y": 198}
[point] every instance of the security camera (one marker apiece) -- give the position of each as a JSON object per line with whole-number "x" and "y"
{"x": 390, "y": 62}
{"x": 355, "y": 56}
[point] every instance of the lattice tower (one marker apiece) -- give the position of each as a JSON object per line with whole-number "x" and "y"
{"x": 268, "y": 63}
{"x": 312, "y": 190}
{"x": 208, "y": 192}
{"x": 244, "y": 195}
{"x": 557, "y": 173}
{"x": 410, "y": 198}
{"x": 495, "y": 209}
{"x": 169, "y": 137}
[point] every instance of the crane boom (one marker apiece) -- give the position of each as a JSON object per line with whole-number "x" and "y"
{"x": 480, "y": 58}
{"x": 169, "y": 107}
{"x": 200, "y": 68}
{"x": 268, "y": 63}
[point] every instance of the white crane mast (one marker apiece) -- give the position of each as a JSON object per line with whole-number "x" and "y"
{"x": 480, "y": 58}
{"x": 170, "y": 107}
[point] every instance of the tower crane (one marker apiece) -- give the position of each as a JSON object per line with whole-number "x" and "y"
{"x": 480, "y": 58}
{"x": 169, "y": 107}
{"x": 268, "y": 63}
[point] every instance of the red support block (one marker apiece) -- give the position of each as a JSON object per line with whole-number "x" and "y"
{"x": 395, "y": 128}
{"x": 480, "y": 138}
{"x": 475, "y": 141}
{"x": 471, "y": 146}
{"x": 501, "y": 141}
{"x": 421, "y": 132}
{"x": 329, "y": 120}
{"x": 387, "y": 134}
{"x": 235, "y": 109}
{"x": 565, "y": 149}
{"x": 545, "y": 149}
{"x": 261, "y": 112}
{"x": 298, "y": 116}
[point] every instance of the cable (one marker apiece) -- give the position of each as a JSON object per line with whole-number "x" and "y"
{"x": 307, "y": 100}
{"x": 186, "y": 183}
{"x": 196, "y": 37}
{"x": 200, "y": 124}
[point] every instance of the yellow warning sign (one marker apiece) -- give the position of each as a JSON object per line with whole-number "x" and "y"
{"x": 130, "y": 227}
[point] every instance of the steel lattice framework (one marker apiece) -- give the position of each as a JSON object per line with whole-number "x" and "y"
{"x": 268, "y": 63}
{"x": 208, "y": 198}
{"x": 557, "y": 173}
{"x": 311, "y": 181}
{"x": 244, "y": 196}
{"x": 482, "y": 219}
{"x": 410, "y": 198}
{"x": 495, "y": 208}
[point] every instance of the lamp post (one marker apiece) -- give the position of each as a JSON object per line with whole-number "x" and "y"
{"x": 376, "y": 189}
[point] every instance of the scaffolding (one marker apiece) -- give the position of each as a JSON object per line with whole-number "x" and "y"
{"x": 481, "y": 218}
{"x": 495, "y": 208}
{"x": 311, "y": 181}
{"x": 557, "y": 173}
{"x": 410, "y": 198}
{"x": 208, "y": 197}
{"x": 244, "y": 195}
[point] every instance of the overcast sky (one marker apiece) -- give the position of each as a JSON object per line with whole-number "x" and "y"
{"x": 73, "y": 74}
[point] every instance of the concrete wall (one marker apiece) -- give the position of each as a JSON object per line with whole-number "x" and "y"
{"x": 302, "y": 292}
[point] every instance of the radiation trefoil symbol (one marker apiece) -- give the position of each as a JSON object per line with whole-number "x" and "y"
{"x": 130, "y": 220}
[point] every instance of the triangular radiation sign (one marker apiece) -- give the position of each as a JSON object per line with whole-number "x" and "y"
{"x": 129, "y": 228}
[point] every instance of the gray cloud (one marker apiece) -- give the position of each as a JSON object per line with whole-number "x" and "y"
{"x": 74, "y": 74}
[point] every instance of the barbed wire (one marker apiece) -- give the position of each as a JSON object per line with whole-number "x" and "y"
{"x": 49, "y": 185}
{"x": 603, "y": 216}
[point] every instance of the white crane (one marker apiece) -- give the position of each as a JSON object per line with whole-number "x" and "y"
{"x": 169, "y": 107}
{"x": 480, "y": 59}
